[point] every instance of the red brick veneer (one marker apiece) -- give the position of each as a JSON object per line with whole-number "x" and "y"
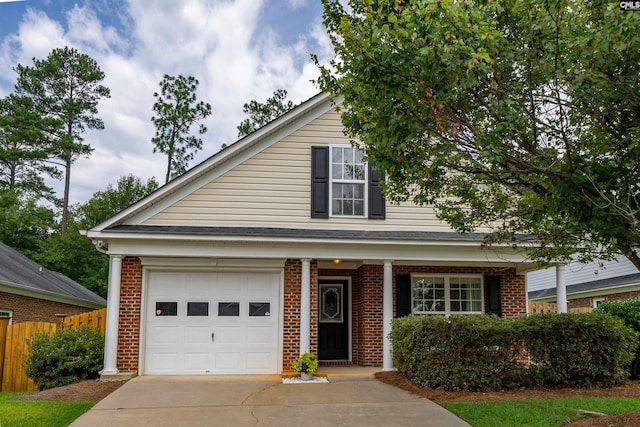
{"x": 291, "y": 313}
{"x": 129, "y": 328}
{"x": 588, "y": 301}
{"x": 29, "y": 309}
{"x": 366, "y": 307}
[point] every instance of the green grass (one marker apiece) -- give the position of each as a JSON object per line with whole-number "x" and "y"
{"x": 537, "y": 413}
{"x": 40, "y": 413}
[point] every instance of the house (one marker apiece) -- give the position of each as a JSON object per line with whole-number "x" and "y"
{"x": 31, "y": 293}
{"x": 279, "y": 244}
{"x": 588, "y": 284}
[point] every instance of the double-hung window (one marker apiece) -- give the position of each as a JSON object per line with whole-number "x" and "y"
{"x": 436, "y": 294}
{"x": 348, "y": 182}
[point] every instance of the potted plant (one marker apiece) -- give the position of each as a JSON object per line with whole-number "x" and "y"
{"x": 305, "y": 365}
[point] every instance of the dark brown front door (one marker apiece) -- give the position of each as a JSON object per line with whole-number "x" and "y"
{"x": 333, "y": 321}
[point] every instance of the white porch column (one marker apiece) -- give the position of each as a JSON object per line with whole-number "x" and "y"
{"x": 113, "y": 315}
{"x": 561, "y": 289}
{"x": 305, "y": 307}
{"x": 387, "y": 315}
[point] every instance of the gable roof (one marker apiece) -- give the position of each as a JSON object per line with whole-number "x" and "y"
{"x": 20, "y": 275}
{"x": 219, "y": 163}
{"x": 611, "y": 282}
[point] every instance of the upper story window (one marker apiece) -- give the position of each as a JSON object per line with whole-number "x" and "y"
{"x": 348, "y": 182}
{"x": 343, "y": 185}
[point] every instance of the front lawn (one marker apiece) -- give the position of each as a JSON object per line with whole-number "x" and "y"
{"x": 537, "y": 413}
{"x": 41, "y": 413}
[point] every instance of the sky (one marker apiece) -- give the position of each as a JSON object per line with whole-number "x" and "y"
{"x": 239, "y": 50}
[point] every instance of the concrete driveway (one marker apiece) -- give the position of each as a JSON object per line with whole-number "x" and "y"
{"x": 350, "y": 398}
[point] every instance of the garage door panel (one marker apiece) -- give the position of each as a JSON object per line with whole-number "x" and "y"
{"x": 197, "y": 335}
{"x": 229, "y": 335}
{"x": 201, "y": 339}
{"x": 261, "y": 334}
{"x": 260, "y": 362}
{"x": 164, "y": 361}
{"x": 228, "y": 361}
{"x": 164, "y": 334}
{"x": 197, "y": 361}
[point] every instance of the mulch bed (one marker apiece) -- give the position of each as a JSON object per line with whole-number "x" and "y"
{"x": 83, "y": 391}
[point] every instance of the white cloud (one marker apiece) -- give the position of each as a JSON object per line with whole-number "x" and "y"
{"x": 223, "y": 44}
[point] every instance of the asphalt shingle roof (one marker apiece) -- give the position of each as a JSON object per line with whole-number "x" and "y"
{"x": 629, "y": 279}
{"x": 299, "y": 233}
{"x": 19, "y": 271}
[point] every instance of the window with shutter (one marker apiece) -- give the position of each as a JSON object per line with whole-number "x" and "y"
{"x": 342, "y": 184}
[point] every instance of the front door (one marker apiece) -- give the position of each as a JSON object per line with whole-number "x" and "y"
{"x": 333, "y": 322}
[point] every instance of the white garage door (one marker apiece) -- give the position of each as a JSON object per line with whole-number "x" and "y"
{"x": 212, "y": 323}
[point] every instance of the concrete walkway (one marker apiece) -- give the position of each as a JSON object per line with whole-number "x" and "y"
{"x": 351, "y": 398}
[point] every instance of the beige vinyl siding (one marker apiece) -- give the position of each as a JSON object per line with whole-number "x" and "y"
{"x": 272, "y": 189}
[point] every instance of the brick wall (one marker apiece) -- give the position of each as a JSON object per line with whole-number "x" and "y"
{"x": 29, "y": 309}
{"x": 291, "y": 314}
{"x": 367, "y": 300}
{"x": 588, "y": 301}
{"x": 129, "y": 328}
{"x": 369, "y": 327}
{"x": 512, "y": 285}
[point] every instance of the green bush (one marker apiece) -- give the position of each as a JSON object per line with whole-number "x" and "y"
{"x": 629, "y": 311}
{"x": 473, "y": 352}
{"x": 578, "y": 349}
{"x": 67, "y": 356}
{"x": 480, "y": 352}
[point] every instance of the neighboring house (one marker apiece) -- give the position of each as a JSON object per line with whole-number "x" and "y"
{"x": 279, "y": 244}
{"x": 587, "y": 284}
{"x": 31, "y": 293}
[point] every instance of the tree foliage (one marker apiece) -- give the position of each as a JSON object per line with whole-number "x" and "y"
{"x": 177, "y": 111}
{"x": 522, "y": 116}
{"x": 261, "y": 114}
{"x": 106, "y": 203}
{"x": 25, "y": 224}
{"x": 65, "y": 90}
{"x": 72, "y": 254}
{"x": 24, "y": 153}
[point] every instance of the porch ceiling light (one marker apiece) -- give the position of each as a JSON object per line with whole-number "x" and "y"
{"x": 336, "y": 261}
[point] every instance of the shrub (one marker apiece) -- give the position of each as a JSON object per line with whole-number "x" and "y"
{"x": 629, "y": 311}
{"x": 479, "y": 352}
{"x": 473, "y": 352}
{"x": 578, "y": 349}
{"x": 65, "y": 357}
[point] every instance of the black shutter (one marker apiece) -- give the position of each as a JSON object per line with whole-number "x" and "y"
{"x": 492, "y": 295}
{"x": 376, "y": 199}
{"x": 403, "y": 295}
{"x": 319, "y": 182}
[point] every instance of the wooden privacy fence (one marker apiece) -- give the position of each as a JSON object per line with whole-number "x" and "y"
{"x": 537, "y": 307}
{"x": 14, "y": 345}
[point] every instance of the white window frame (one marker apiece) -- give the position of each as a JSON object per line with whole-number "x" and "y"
{"x": 596, "y": 301}
{"x": 7, "y": 313}
{"x": 447, "y": 293}
{"x": 364, "y": 183}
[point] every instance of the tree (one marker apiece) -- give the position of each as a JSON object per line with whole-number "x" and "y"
{"x": 176, "y": 112}
{"x": 261, "y": 114}
{"x": 104, "y": 204}
{"x": 23, "y": 150}
{"x": 521, "y": 116}
{"x": 73, "y": 254}
{"x": 65, "y": 90}
{"x": 25, "y": 224}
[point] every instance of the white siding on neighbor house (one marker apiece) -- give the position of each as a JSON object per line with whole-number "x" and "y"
{"x": 576, "y": 273}
{"x": 272, "y": 189}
